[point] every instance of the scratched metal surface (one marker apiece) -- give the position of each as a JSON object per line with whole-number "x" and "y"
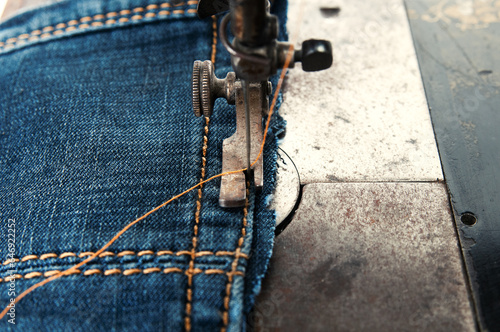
{"x": 366, "y": 118}
{"x": 458, "y": 47}
{"x": 367, "y": 257}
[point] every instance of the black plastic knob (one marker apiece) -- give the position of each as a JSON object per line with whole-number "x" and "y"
{"x": 315, "y": 55}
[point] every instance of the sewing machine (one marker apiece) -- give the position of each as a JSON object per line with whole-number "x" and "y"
{"x": 255, "y": 55}
{"x": 361, "y": 188}
{"x": 371, "y": 241}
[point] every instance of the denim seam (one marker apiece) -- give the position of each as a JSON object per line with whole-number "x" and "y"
{"x": 96, "y": 21}
{"x": 189, "y": 272}
{"x": 124, "y": 253}
{"x": 117, "y": 271}
{"x": 189, "y": 290}
{"x": 235, "y": 264}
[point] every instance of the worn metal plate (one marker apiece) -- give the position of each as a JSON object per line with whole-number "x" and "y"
{"x": 287, "y": 190}
{"x": 458, "y": 47}
{"x": 366, "y": 118}
{"x": 367, "y": 257}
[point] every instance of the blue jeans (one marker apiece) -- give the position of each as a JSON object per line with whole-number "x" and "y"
{"x": 96, "y": 129}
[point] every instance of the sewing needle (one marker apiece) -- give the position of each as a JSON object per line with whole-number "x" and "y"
{"x": 247, "y": 119}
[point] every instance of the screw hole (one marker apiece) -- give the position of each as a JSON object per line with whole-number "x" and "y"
{"x": 330, "y": 11}
{"x": 468, "y": 218}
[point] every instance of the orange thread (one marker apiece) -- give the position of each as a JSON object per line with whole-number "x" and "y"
{"x": 33, "y": 275}
{"x": 115, "y": 271}
{"x": 70, "y": 25}
{"x": 51, "y": 273}
{"x": 131, "y": 271}
{"x": 13, "y": 277}
{"x": 164, "y": 252}
{"x": 11, "y": 261}
{"x": 125, "y": 253}
{"x": 121, "y": 254}
{"x": 145, "y": 252}
{"x": 234, "y": 265}
{"x": 45, "y": 256}
{"x": 151, "y": 270}
{"x": 92, "y": 272}
{"x": 112, "y": 271}
{"x": 67, "y": 254}
{"x": 190, "y": 271}
{"x": 106, "y": 254}
{"x": 214, "y": 38}
{"x": 28, "y": 258}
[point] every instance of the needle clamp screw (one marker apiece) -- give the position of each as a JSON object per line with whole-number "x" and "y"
{"x": 206, "y": 88}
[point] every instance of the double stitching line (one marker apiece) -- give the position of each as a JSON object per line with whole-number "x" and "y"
{"x": 107, "y": 19}
{"x": 234, "y": 266}
{"x": 190, "y": 271}
{"x": 121, "y": 254}
{"x": 127, "y": 272}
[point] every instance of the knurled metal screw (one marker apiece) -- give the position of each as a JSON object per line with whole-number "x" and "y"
{"x": 206, "y": 88}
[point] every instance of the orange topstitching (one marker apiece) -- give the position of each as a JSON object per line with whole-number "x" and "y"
{"x": 123, "y": 253}
{"x": 87, "y": 21}
{"x": 234, "y": 265}
{"x": 116, "y": 271}
{"x": 189, "y": 272}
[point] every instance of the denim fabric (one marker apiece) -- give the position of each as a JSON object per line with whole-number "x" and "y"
{"x": 96, "y": 129}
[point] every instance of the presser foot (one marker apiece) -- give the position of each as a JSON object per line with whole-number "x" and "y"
{"x": 206, "y": 88}
{"x": 234, "y": 148}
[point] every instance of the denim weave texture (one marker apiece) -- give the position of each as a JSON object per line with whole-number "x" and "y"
{"x": 97, "y": 129}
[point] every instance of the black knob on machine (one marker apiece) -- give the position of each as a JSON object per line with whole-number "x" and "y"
{"x": 315, "y": 55}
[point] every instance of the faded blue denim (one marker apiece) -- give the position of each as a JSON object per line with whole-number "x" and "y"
{"x": 96, "y": 129}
